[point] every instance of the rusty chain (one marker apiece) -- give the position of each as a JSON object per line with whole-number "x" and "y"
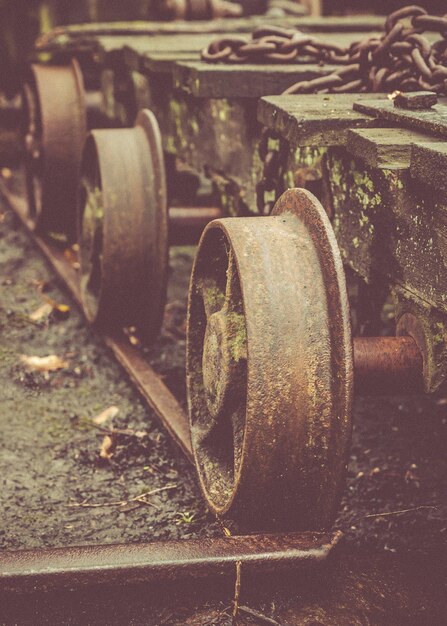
{"x": 401, "y": 59}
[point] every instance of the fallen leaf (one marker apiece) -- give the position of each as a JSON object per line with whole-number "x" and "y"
{"x": 133, "y": 339}
{"x": 107, "y": 447}
{"x": 106, "y": 415}
{"x": 41, "y": 312}
{"x": 61, "y": 310}
{"x": 71, "y": 255}
{"x": 140, "y": 434}
{"x": 50, "y": 363}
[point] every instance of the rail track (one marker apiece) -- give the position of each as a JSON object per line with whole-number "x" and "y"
{"x": 376, "y": 166}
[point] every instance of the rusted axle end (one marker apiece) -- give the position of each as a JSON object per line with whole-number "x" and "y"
{"x": 74, "y": 567}
{"x": 186, "y": 224}
{"x": 387, "y": 365}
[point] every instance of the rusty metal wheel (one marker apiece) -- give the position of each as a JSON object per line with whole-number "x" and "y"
{"x": 123, "y": 223}
{"x": 269, "y": 367}
{"x": 54, "y": 133}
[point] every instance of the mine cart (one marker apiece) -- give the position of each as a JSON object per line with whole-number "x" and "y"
{"x": 318, "y": 182}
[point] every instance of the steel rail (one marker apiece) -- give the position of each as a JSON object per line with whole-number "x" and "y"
{"x": 143, "y": 376}
{"x": 75, "y": 567}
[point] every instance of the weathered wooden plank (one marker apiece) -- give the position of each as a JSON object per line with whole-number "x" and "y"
{"x": 365, "y": 24}
{"x": 163, "y": 62}
{"x": 429, "y": 163}
{"x": 433, "y": 120}
{"x": 390, "y": 225}
{"x": 313, "y": 120}
{"x": 203, "y": 80}
{"x": 133, "y": 47}
{"x": 218, "y": 136}
{"x": 138, "y": 50}
{"x": 385, "y": 148}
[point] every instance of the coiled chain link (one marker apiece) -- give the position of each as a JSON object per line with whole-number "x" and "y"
{"x": 402, "y": 58}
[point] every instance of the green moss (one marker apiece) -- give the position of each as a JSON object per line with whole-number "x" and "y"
{"x": 394, "y": 179}
{"x": 238, "y": 336}
{"x": 362, "y": 179}
{"x": 289, "y": 178}
{"x": 212, "y": 294}
{"x": 337, "y": 175}
{"x": 177, "y": 110}
{"x": 220, "y": 109}
{"x": 194, "y": 126}
{"x": 308, "y": 156}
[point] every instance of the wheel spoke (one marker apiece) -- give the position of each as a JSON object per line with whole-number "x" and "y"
{"x": 224, "y": 366}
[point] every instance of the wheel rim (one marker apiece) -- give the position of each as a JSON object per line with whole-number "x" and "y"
{"x": 54, "y": 133}
{"x": 32, "y": 133}
{"x": 123, "y": 228}
{"x": 269, "y": 367}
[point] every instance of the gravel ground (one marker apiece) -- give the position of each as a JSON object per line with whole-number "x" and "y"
{"x": 55, "y": 490}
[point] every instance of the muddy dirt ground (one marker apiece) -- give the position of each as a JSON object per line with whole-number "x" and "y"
{"x": 56, "y": 490}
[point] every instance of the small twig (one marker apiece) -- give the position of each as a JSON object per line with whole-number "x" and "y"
{"x": 96, "y": 505}
{"x": 237, "y": 590}
{"x": 417, "y": 508}
{"x": 127, "y": 432}
{"x": 141, "y": 498}
{"x": 223, "y": 612}
{"x": 259, "y": 616}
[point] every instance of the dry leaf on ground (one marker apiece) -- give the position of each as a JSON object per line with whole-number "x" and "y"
{"x": 51, "y": 363}
{"x": 62, "y": 310}
{"x": 72, "y": 256}
{"x": 106, "y": 415}
{"x": 43, "y": 311}
{"x": 107, "y": 447}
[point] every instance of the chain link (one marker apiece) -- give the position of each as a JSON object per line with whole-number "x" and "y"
{"x": 401, "y": 59}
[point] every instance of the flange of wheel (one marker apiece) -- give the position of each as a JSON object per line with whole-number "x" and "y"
{"x": 270, "y": 367}
{"x": 123, "y": 223}
{"x": 55, "y": 128}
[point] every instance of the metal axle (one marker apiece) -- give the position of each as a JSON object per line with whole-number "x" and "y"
{"x": 387, "y": 365}
{"x": 186, "y": 224}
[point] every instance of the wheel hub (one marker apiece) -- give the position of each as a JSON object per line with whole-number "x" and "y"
{"x": 220, "y": 362}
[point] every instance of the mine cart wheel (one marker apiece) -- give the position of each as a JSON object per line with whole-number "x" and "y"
{"x": 54, "y": 133}
{"x": 269, "y": 367}
{"x": 123, "y": 223}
